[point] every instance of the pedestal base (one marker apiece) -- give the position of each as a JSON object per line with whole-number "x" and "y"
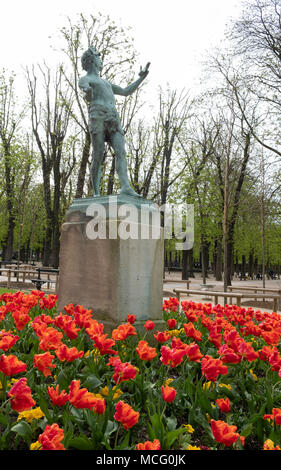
{"x": 112, "y": 276}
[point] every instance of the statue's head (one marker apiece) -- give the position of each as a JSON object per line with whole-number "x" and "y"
{"x": 89, "y": 57}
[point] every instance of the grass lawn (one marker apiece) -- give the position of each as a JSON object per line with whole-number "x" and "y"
{"x": 4, "y": 289}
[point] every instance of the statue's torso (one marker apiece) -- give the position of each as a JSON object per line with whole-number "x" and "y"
{"x": 103, "y": 116}
{"x": 102, "y": 94}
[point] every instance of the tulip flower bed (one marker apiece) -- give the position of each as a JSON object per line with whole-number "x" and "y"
{"x": 211, "y": 380}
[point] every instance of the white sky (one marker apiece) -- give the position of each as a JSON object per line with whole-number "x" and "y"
{"x": 171, "y": 34}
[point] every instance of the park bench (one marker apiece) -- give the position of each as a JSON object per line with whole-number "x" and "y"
{"x": 39, "y": 281}
{"x": 17, "y": 273}
{"x": 264, "y": 292}
{"x": 178, "y": 281}
{"x": 22, "y": 274}
{"x": 238, "y": 296}
{"x": 274, "y": 298}
{"x": 211, "y": 294}
{"x": 168, "y": 293}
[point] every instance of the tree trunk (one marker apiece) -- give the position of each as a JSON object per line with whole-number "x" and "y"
{"x": 9, "y": 241}
{"x": 251, "y": 264}
{"x": 230, "y": 262}
{"x": 231, "y": 221}
{"x": 54, "y": 257}
{"x": 262, "y": 221}
{"x": 204, "y": 258}
{"x": 243, "y": 268}
{"x": 184, "y": 273}
{"x": 49, "y": 219}
{"x": 187, "y": 264}
{"x": 219, "y": 262}
{"x": 47, "y": 245}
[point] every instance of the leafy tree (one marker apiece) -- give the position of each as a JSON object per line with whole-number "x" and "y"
{"x": 11, "y": 118}
{"x": 50, "y": 118}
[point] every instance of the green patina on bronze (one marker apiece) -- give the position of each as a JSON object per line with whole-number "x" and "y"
{"x": 82, "y": 204}
{"x": 104, "y": 121}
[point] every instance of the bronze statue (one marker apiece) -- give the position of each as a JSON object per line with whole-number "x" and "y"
{"x": 104, "y": 121}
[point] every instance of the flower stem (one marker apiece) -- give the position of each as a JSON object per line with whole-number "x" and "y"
{"x": 116, "y": 437}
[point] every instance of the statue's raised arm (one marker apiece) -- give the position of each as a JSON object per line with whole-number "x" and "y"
{"x": 117, "y": 90}
{"x": 104, "y": 121}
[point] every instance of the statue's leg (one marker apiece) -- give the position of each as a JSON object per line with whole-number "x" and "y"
{"x": 98, "y": 150}
{"x": 118, "y": 145}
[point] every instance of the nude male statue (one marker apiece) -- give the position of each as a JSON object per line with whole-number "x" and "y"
{"x": 104, "y": 121}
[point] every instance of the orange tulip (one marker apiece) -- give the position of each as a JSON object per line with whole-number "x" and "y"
{"x": 67, "y": 324}
{"x": 172, "y": 357}
{"x": 223, "y": 432}
{"x": 123, "y": 331}
{"x": 228, "y": 356}
{"x": 38, "y": 294}
{"x": 131, "y": 318}
{"x": 232, "y": 339}
{"x": 48, "y": 302}
{"x": 191, "y": 332}
{"x": 114, "y": 361}
{"x": 7, "y": 340}
{"x": 51, "y": 438}
{"x": 275, "y": 360}
{"x": 11, "y": 365}
{"x": 80, "y": 397}
{"x": 168, "y": 393}
{"x": 223, "y": 404}
{"x": 20, "y": 396}
{"x": 3, "y": 311}
{"x": 149, "y": 325}
{"x": 148, "y": 445}
{"x": 171, "y": 304}
{"x": 104, "y": 344}
{"x": 193, "y": 352}
{"x": 126, "y": 415}
{"x": 190, "y": 314}
{"x": 83, "y": 318}
{"x": 99, "y": 405}
{"x": 162, "y": 336}
{"x": 215, "y": 337}
{"x": 123, "y": 371}
{"x": 271, "y": 337}
{"x": 69, "y": 309}
{"x": 211, "y": 368}
{"x": 247, "y": 351}
{"x": 58, "y": 399}
{"x": 145, "y": 352}
{"x": 21, "y": 318}
{"x": 95, "y": 329}
{"x": 172, "y": 323}
{"x": 50, "y": 338}
{"x": 265, "y": 353}
{"x": 43, "y": 362}
{"x": 43, "y": 319}
{"x": 276, "y": 416}
{"x": 64, "y": 353}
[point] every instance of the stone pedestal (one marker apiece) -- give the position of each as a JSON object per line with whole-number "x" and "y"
{"x": 119, "y": 272}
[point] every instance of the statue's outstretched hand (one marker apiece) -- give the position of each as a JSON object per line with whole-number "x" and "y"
{"x": 144, "y": 73}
